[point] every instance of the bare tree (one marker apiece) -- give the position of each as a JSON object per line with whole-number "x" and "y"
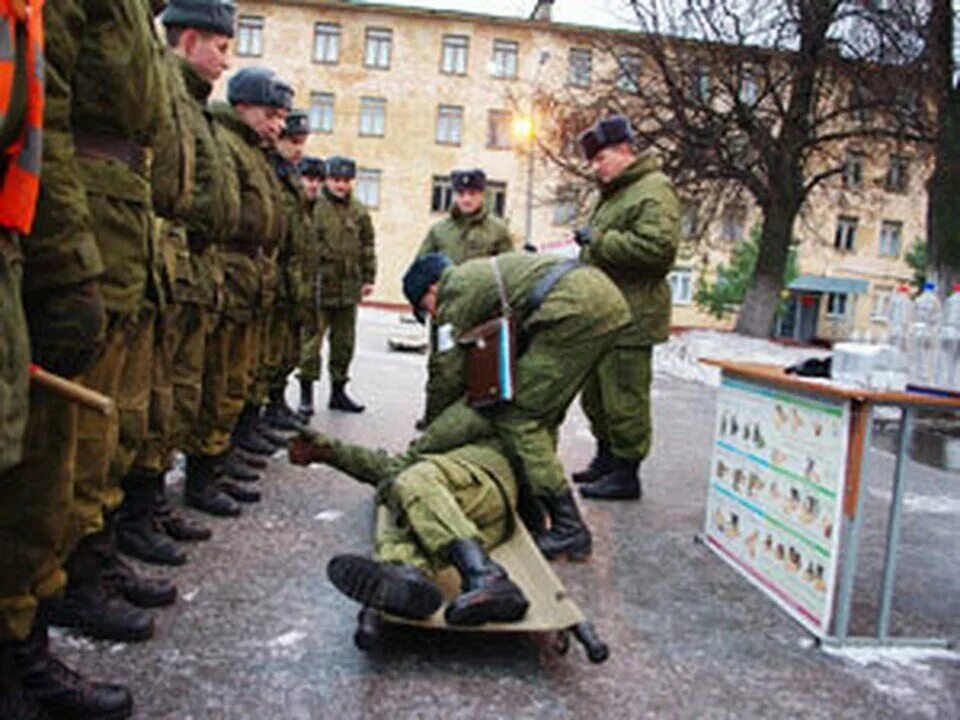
{"x": 759, "y": 99}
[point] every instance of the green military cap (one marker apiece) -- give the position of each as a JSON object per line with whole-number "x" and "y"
{"x": 341, "y": 167}
{"x": 259, "y": 86}
{"x": 312, "y": 167}
{"x": 298, "y": 123}
{"x": 216, "y": 16}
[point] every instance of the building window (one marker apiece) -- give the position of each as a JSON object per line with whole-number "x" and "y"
{"x": 326, "y": 43}
{"x": 891, "y": 235}
{"x": 321, "y": 112}
{"x": 373, "y": 116}
{"x": 250, "y": 35}
{"x": 881, "y": 303}
{"x": 861, "y": 100}
{"x": 689, "y": 217}
{"x": 681, "y": 286}
{"x": 898, "y": 174}
{"x": 377, "y": 47}
{"x": 565, "y": 208}
{"x": 732, "y": 223}
{"x": 906, "y": 103}
{"x": 853, "y": 170}
{"x": 449, "y": 124}
{"x": 498, "y": 129}
{"x": 846, "y": 235}
{"x": 748, "y": 92}
{"x": 580, "y": 67}
{"x": 368, "y": 187}
{"x": 628, "y": 73}
{"x": 496, "y": 198}
{"x": 441, "y": 196}
{"x": 836, "y": 304}
{"x": 453, "y": 60}
{"x": 504, "y": 62}
{"x": 700, "y": 85}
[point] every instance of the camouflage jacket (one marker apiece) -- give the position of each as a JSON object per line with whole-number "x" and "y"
{"x": 636, "y": 233}
{"x": 345, "y": 249}
{"x": 464, "y": 237}
{"x": 261, "y": 226}
{"x": 296, "y": 282}
{"x": 112, "y": 89}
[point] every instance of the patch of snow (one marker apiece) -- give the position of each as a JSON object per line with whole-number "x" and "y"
{"x": 288, "y": 639}
{"x": 680, "y": 356}
{"x": 190, "y": 594}
{"x": 932, "y": 504}
{"x": 328, "y": 515}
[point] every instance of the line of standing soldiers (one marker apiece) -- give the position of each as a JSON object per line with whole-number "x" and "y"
{"x": 174, "y": 265}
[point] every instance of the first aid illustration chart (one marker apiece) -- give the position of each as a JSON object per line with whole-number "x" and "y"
{"x": 775, "y": 495}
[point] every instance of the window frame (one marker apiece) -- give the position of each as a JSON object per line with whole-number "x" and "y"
{"x": 832, "y": 300}
{"x": 903, "y": 185}
{"x": 255, "y": 26}
{"x": 368, "y": 102}
{"x": 883, "y": 238}
{"x": 572, "y": 67}
{"x": 884, "y": 293}
{"x": 445, "y": 113}
{"x": 443, "y": 185}
{"x": 854, "y": 170}
{"x": 850, "y": 224}
{"x": 501, "y": 47}
{"x": 364, "y": 175}
{"x": 452, "y": 41}
{"x": 315, "y": 97}
{"x": 681, "y": 274}
{"x": 633, "y": 62}
{"x": 495, "y": 198}
{"x": 506, "y": 117}
{"x": 386, "y": 39}
{"x": 336, "y": 33}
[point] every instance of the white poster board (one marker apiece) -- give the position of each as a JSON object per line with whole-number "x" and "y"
{"x": 776, "y": 492}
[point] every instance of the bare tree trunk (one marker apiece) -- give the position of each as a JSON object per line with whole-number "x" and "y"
{"x": 763, "y": 296}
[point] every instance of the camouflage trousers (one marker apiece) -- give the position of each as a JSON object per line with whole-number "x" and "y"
{"x": 616, "y": 400}
{"x": 277, "y": 352}
{"x": 341, "y": 323}
{"x": 14, "y": 355}
{"x": 228, "y": 364}
{"x": 124, "y": 372}
{"x": 35, "y": 512}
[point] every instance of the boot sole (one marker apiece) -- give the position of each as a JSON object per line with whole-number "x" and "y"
{"x": 365, "y": 581}
{"x": 253, "y": 460}
{"x": 212, "y": 511}
{"x": 505, "y": 608}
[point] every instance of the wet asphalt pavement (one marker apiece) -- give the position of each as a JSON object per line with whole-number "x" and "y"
{"x": 259, "y": 633}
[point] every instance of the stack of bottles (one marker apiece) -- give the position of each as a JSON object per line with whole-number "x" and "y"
{"x": 921, "y": 347}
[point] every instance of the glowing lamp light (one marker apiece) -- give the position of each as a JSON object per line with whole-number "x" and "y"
{"x": 523, "y": 127}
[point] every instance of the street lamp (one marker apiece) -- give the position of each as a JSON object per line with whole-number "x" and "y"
{"x": 525, "y": 129}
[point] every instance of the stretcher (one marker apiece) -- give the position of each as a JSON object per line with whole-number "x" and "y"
{"x": 552, "y": 612}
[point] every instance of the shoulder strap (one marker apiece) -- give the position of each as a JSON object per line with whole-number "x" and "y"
{"x": 546, "y": 283}
{"x": 501, "y": 289}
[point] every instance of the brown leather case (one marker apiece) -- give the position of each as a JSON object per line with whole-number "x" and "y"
{"x": 491, "y": 362}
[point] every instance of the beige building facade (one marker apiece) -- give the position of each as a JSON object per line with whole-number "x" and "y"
{"x": 412, "y": 94}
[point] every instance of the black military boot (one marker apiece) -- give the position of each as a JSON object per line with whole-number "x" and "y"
{"x": 58, "y": 690}
{"x": 274, "y": 437}
{"x": 621, "y": 483}
{"x": 236, "y": 469}
{"x": 92, "y": 607}
{"x": 280, "y": 416}
{"x": 568, "y": 535}
{"x": 145, "y": 592}
{"x": 176, "y": 525}
{"x": 15, "y": 702}
{"x": 241, "y": 493}
{"x": 392, "y": 587}
{"x": 257, "y": 462}
{"x": 600, "y": 465}
{"x": 305, "y": 411}
{"x": 245, "y": 435}
{"x": 339, "y": 400}
{"x": 138, "y": 533}
{"x": 488, "y": 594}
{"x": 201, "y": 491}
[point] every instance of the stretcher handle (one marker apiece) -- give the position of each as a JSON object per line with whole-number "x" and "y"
{"x": 72, "y": 391}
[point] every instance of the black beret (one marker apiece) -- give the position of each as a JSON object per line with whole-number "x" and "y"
{"x": 422, "y": 273}
{"x": 216, "y": 16}
{"x": 468, "y": 180}
{"x": 340, "y": 167}
{"x": 298, "y": 123}
{"x": 613, "y": 130}
{"x": 312, "y": 167}
{"x": 259, "y": 86}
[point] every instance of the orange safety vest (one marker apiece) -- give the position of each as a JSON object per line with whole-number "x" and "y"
{"x": 20, "y": 183}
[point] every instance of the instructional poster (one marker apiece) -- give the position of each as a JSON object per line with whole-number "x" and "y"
{"x": 776, "y": 488}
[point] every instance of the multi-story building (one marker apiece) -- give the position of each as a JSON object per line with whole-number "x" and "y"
{"x": 413, "y": 93}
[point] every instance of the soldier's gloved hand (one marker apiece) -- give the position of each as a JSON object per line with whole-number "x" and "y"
{"x": 67, "y": 328}
{"x": 583, "y": 235}
{"x": 308, "y": 447}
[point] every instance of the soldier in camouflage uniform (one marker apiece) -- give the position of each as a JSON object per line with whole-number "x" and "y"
{"x": 471, "y": 231}
{"x": 442, "y": 509}
{"x": 347, "y": 262}
{"x": 249, "y": 124}
{"x": 295, "y": 287}
{"x": 632, "y": 236}
{"x": 567, "y": 317}
{"x": 312, "y": 171}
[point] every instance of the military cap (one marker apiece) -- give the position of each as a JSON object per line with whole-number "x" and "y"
{"x": 609, "y": 131}
{"x": 298, "y": 123}
{"x": 468, "y": 180}
{"x": 312, "y": 167}
{"x": 422, "y": 273}
{"x": 340, "y": 167}
{"x": 259, "y": 86}
{"x": 216, "y": 16}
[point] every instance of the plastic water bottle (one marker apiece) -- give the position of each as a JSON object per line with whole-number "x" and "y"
{"x": 900, "y": 318}
{"x": 948, "y": 358}
{"x": 923, "y": 337}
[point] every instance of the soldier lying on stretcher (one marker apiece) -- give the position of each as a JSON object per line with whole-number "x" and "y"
{"x": 447, "y": 508}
